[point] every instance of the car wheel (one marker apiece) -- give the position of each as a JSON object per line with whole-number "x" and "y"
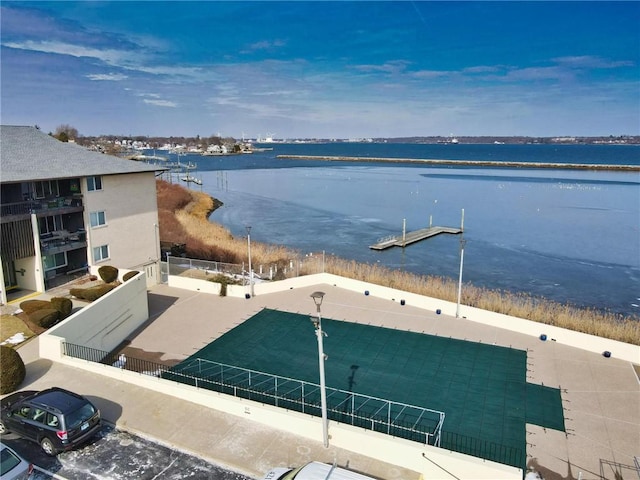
{"x": 3, "y": 428}
{"x": 48, "y": 447}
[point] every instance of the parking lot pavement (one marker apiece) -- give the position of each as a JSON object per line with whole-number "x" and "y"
{"x": 116, "y": 455}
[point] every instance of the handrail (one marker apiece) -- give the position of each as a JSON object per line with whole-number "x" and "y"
{"x": 348, "y": 407}
{"x": 432, "y": 418}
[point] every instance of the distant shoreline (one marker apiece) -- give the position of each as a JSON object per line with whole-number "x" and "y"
{"x": 475, "y": 163}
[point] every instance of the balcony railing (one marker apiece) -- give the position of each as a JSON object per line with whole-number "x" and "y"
{"x": 62, "y": 240}
{"x": 35, "y": 206}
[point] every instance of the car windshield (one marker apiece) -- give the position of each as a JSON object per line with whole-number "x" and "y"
{"x": 75, "y": 419}
{"x": 9, "y": 461}
{"x": 291, "y": 475}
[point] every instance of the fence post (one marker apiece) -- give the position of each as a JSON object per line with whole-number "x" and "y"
{"x": 353, "y": 408}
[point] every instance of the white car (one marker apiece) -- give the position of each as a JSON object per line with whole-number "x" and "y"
{"x": 12, "y": 465}
{"x": 314, "y": 471}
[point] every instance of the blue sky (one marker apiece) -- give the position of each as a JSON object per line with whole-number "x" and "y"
{"x": 322, "y": 69}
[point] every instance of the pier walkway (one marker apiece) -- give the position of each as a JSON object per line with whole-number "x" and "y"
{"x": 412, "y": 237}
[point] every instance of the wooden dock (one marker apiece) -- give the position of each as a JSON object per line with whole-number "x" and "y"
{"x": 413, "y": 237}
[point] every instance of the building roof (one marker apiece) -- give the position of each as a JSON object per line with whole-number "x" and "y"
{"x": 27, "y": 154}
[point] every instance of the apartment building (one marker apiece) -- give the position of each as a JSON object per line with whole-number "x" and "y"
{"x": 65, "y": 208}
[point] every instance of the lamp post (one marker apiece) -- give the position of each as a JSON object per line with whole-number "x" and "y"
{"x": 250, "y": 269}
{"x": 317, "y": 299}
{"x": 462, "y": 242}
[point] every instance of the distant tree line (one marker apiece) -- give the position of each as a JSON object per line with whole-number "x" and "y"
{"x": 66, "y": 133}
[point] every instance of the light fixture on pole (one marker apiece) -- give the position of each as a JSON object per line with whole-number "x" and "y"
{"x": 462, "y": 242}
{"x": 317, "y": 322}
{"x": 250, "y": 269}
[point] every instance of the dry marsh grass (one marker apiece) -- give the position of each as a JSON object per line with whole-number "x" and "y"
{"x": 522, "y": 305}
{"x": 210, "y": 241}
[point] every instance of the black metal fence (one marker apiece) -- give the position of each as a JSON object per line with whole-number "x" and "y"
{"x": 393, "y": 418}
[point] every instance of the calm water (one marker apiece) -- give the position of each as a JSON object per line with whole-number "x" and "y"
{"x": 570, "y": 236}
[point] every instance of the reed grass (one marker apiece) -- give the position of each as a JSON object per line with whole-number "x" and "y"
{"x": 210, "y": 241}
{"x": 521, "y": 305}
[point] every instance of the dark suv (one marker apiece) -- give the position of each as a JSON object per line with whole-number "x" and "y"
{"x": 57, "y": 419}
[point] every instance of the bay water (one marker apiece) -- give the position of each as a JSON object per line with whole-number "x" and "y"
{"x": 571, "y": 236}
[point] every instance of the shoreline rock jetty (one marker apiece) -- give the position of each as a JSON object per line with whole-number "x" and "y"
{"x": 476, "y": 163}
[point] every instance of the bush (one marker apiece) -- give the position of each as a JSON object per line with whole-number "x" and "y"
{"x": 129, "y": 275}
{"x": 108, "y": 273}
{"x": 223, "y": 280}
{"x": 92, "y": 293}
{"x": 30, "y": 306}
{"x": 45, "y": 318}
{"x": 63, "y": 305}
{"x": 77, "y": 292}
{"x": 13, "y": 370}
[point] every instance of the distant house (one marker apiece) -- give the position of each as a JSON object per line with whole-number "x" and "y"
{"x": 64, "y": 208}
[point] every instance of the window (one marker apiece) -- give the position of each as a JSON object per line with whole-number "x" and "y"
{"x": 52, "y": 223}
{"x": 54, "y": 261}
{"x": 52, "y": 420}
{"x": 8, "y": 461}
{"x": 24, "y": 412}
{"x": 48, "y": 188}
{"x": 38, "y": 415}
{"x": 100, "y": 253}
{"x": 97, "y": 219}
{"x": 94, "y": 183}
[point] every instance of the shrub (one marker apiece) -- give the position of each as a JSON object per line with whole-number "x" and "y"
{"x": 63, "y": 305}
{"x": 13, "y": 370}
{"x": 93, "y": 293}
{"x": 77, "y": 292}
{"x": 30, "y": 306}
{"x": 129, "y": 275}
{"x": 45, "y": 318}
{"x": 223, "y": 280}
{"x": 108, "y": 273}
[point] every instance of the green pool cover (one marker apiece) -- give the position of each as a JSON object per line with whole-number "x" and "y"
{"x": 481, "y": 388}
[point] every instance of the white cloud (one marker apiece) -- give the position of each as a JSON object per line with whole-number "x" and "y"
{"x": 482, "y": 69}
{"x": 115, "y": 77}
{"x": 431, "y": 74}
{"x": 592, "y": 62}
{"x": 263, "y": 46}
{"x": 109, "y": 56}
{"x": 160, "y": 103}
{"x": 127, "y": 60}
{"x": 393, "y": 66}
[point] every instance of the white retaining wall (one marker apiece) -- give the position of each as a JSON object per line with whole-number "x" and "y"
{"x": 104, "y": 323}
{"x": 383, "y": 447}
{"x": 591, "y": 343}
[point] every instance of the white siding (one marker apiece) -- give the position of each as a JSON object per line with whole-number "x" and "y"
{"x": 130, "y": 205}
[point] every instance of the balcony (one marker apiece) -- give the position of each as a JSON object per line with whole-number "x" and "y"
{"x": 59, "y": 205}
{"x": 62, "y": 241}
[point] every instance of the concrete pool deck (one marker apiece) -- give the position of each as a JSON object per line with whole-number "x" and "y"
{"x": 601, "y": 396}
